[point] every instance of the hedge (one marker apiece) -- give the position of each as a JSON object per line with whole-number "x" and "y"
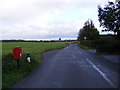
{"x": 103, "y": 45}
{"x": 108, "y": 48}
{"x": 89, "y": 43}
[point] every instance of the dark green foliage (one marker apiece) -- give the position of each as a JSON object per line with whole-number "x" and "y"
{"x": 89, "y": 43}
{"x": 109, "y": 45}
{"x": 11, "y": 72}
{"x": 109, "y": 17}
{"x": 101, "y": 42}
{"x": 88, "y": 32}
{"x": 108, "y": 48}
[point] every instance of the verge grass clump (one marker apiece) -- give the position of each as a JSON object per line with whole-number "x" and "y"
{"x": 85, "y": 47}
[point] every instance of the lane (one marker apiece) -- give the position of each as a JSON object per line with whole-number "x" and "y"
{"x": 106, "y": 68}
{"x": 71, "y": 67}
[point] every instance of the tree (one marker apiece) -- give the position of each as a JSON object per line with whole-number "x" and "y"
{"x": 109, "y": 17}
{"x": 88, "y": 32}
{"x": 59, "y": 39}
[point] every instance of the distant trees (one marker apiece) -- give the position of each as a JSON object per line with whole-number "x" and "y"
{"x": 88, "y": 32}
{"x": 109, "y": 17}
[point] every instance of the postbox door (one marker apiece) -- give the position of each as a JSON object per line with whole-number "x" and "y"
{"x": 17, "y": 53}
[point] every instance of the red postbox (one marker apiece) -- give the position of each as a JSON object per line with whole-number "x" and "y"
{"x": 17, "y": 53}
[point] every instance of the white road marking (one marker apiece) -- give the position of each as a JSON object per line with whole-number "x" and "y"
{"x": 101, "y": 73}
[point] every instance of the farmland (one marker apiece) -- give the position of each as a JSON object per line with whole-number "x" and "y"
{"x": 11, "y": 74}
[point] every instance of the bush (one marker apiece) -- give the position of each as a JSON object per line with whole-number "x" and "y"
{"x": 103, "y": 45}
{"x": 103, "y": 48}
{"x": 89, "y": 43}
{"x": 102, "y": 42}
{"x": 108, "y": 48}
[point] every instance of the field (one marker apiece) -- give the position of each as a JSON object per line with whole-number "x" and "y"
{"x": 11, "y": 74}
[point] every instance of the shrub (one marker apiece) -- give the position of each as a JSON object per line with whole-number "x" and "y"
{"x": 89, "y": 43}
{"x": 102, "y": 42}
{"x": 108, "y": 48}
{"x": 103, "y": 45}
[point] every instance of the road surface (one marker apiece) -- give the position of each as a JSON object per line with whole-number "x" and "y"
{"x": 72, "y": 67}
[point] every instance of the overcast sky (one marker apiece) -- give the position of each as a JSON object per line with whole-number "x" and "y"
{"x": 46, "y": 19}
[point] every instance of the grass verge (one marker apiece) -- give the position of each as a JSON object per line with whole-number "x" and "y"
{"x": 85, "y": 47}
{"x": 11, "y": 74}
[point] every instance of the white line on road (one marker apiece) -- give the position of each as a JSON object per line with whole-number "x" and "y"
{"x": 101, "y": 73}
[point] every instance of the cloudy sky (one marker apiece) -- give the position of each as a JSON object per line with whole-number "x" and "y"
{"x": 46, "y": 19}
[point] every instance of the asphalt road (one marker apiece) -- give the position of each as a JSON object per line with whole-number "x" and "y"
{"x": 72, "y": 67}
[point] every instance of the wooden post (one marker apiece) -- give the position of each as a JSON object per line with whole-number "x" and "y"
{"x": 18, "y": 63}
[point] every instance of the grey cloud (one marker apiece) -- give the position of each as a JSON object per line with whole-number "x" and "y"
{"x": 20, "y": 21}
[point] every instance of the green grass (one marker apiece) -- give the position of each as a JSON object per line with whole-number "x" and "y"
{"x": 85, "y": 47}
{"x": 11, "y": 74}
